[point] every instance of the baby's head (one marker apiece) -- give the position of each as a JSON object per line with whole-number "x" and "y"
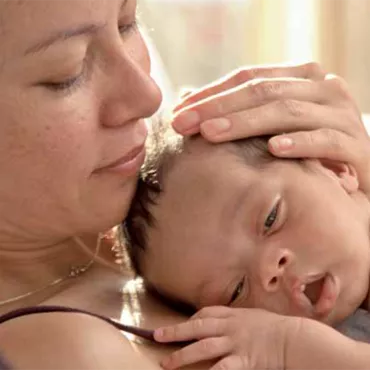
{"x": 229, "y": 224}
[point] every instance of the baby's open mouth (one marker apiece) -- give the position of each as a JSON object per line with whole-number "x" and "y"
{"x": 313, "y": 290}
{"x": 317, "y": 295}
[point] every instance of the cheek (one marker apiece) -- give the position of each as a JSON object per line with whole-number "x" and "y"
{"x": 330, "y": 233}
{"x": 45, "y": 143}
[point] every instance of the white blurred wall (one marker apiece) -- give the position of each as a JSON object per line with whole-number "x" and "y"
{"x": 200, "y": 40}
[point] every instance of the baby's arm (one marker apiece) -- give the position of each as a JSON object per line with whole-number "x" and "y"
{"x": 317, "y": 346}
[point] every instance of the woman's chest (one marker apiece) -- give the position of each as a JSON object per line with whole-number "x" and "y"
{"x": 114, "y": 296}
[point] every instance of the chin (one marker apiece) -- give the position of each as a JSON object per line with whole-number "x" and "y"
{"x": 108, "y": 215}
{"x": 345, "y": 308}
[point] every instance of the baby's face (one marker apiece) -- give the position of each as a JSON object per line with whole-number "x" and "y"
{"x": 283, "y": 238}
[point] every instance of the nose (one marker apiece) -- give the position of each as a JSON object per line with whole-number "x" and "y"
{"x": 273, "y": 268}
{"x": 129, "y": 93}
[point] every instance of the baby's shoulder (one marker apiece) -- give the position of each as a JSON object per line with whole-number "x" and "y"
{"x": 67, "y": 341}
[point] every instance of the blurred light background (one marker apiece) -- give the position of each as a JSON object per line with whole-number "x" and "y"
{"x": 200, "y": 40}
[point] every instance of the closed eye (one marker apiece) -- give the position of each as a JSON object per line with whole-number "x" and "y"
{"x": 127, "y": 28}
{"x": 237, "y": 292}
{"x": 64, "y": 85}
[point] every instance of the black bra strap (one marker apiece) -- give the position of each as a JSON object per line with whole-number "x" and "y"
{"x": 143, "y": 333}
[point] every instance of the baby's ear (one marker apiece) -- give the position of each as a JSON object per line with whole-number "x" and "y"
{"x": 344, "y": 173}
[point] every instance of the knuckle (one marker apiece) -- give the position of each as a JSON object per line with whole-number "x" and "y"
{"x": 219, "y": 108}
{"x": 208, "y": 346}
{"x": 340, "y": 86}
{"x": 311, "y": 138}
{"x": 197, "y": 325}
{"x": 266, "y": 90}
{"x": 244, "y": 75}
{"x": 333, "y": 139}
{"x": 293, "y": 108}
{"x": 314, "y": 69}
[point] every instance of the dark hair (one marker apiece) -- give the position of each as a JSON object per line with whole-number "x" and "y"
{"x": 162, "y": 148}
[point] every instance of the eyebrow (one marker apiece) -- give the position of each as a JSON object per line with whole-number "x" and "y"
{"x": 64, "y": 35}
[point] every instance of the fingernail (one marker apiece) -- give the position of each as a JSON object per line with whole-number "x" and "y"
{"x": 217, "y": 126}
{"x": 186, "y": 121}
{"x": 282, "y": 143}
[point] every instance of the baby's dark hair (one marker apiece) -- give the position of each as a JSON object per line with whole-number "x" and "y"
{"x": 163, "y": 149}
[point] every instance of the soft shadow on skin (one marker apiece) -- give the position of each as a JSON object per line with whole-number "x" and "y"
{"x": 142, "y": 309}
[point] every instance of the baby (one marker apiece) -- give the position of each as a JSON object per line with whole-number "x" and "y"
{"x": 231, "y": 225}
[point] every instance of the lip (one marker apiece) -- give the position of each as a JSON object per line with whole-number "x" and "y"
{"x": 129, "y": 164}
{"x": 327, "y": 299}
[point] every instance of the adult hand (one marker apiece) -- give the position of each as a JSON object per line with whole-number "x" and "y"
{"x": 316, "y": 109}
{"x": 237, "y": 338}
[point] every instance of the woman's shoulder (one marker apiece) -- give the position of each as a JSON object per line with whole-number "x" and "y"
{"x": 67, "y": 341}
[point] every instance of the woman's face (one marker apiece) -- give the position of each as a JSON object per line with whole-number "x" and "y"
{"x": 74, "y": 89}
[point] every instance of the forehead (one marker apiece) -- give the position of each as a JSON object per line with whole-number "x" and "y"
{"x": 23, "y": 22}
{"x": 203, "y": 192}
{"x": 203, "y": 172}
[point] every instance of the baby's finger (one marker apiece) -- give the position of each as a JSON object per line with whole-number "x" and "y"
{"x": 192, "y": 329}
{"x": 232, "y": 363}
{"x": 206, "y": 349}
{"x": 272, "y": 118}
{"x": 312, "y": 71}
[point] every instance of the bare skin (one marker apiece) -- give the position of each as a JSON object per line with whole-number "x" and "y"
{"x": 58, "y": 136}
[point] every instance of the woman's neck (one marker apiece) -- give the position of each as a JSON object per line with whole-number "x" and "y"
{"x": 26, "y": 269}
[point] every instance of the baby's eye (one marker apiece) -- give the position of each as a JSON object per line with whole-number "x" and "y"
{"x": 271, "y": 218}
{"x": 238, "y": 290}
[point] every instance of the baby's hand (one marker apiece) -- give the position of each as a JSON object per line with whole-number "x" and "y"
{"x": 237, "y": 338}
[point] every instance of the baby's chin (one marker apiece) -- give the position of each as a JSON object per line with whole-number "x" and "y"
{"x": 343, "y": 311}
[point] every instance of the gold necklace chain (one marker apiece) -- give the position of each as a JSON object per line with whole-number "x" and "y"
{"x": 74, "y": 272}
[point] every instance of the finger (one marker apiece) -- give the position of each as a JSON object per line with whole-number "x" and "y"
{"x": 192, "y": 329}
{"x": 312, "y": 71}
{"x": 232, "y": 363}
{"x": 328, "y": 144}
{"x": 321, "y": 143}
{"x": 340, "y": 87}
{"x": 273, "y": 118}
{"x": 220, "y": 312}
{"x": 206, "y": 349}
{"x": 248, "y": 96}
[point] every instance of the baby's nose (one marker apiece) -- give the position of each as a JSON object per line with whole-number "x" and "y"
{"x": 273, "y": 268}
